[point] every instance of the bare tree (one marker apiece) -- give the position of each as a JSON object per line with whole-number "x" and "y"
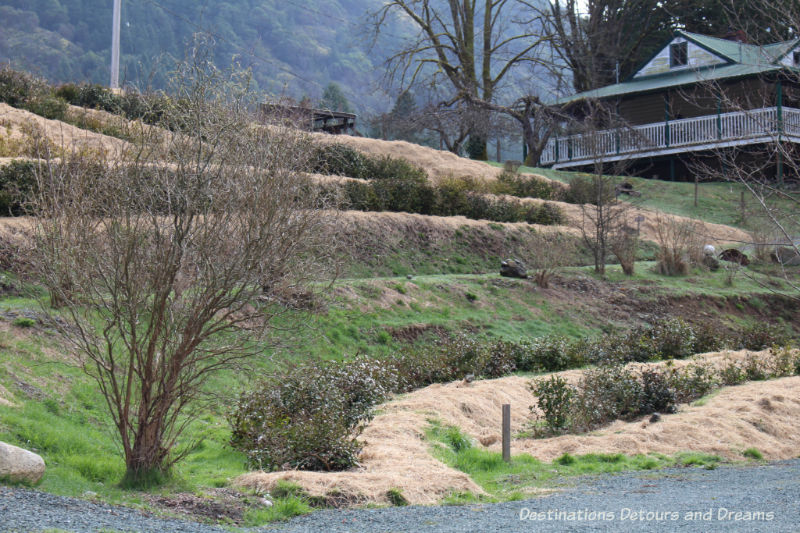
{"x": 472, "y": 46}
{"x": 605, "y": 224}
{"x": 537, "y": 119}
{"x": 601, "y": 41}
{"x": 168, "y": 257}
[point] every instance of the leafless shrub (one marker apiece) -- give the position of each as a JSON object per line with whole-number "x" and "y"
{"x": 624, "y": 249}
{"x": 556, "y": 250}
{"x": 160, "y": 254}
{"x": 675, "y": 238}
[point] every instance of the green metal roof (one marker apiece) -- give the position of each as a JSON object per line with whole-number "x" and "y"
{"x": 741, "y": 60}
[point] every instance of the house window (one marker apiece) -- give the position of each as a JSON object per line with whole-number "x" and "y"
{"x": 678, "y": 55}
{"x": 796, "y": 58}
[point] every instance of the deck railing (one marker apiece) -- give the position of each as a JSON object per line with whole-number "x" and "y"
{"x": 661, "y": 136}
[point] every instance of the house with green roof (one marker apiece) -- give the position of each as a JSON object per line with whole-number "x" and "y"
{"x": 698, "y": 95}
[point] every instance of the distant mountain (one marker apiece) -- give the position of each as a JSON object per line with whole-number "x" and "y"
{"x": 295, "y": 47}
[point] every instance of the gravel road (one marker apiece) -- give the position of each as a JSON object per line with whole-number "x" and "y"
{"x": 761, "y": 498}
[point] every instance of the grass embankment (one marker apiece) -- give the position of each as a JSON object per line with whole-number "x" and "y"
{"x": 525, "y": 475}
{"x": 58, "y": 412}
{"x": 726, "y": 203}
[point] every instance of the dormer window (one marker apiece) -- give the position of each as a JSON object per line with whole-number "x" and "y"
{"x": 796, "y": 58}
{"x": 678, "y": 55}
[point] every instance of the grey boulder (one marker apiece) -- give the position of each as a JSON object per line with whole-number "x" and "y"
{"x": 17, "y": 464}
{"x": 513, "y": 268}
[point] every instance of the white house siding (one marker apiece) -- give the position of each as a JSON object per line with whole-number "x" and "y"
{"x": 697, "y": 57}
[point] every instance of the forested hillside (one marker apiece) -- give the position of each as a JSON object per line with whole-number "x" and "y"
{"x": 294, "y": 47}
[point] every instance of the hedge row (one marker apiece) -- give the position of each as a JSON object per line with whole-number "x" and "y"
{"x": 25, "y": 91}
{"x": 416, "y": 195}
{"x": 308, "y": 416}
{"x": 342, "y": 160}
{"x": 613, "y": 391}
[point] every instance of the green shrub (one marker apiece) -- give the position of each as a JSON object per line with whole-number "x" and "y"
{"x": 708, "y": 339}
{"x": 409, "y": 195}
{"x": 691, "y": 382}
{"x": 673, "y": 339}
{"x": 552, "y": 353}
{"x": 453, "y": 197}
{"x": 753, "y": 453}
{"x": 24, "y": 322}
{"x": 393, "y": 168}
{"x": 607, "y": 393}
{"x": 456, "y": 440}
{"x": 501, "y": 359}
{"x": 566, "y": 460}
{"x": 69, "y": 92}
{"x": 585, "y": 189}
{"x": 554, "y": 398}
{"x": 18, "y": 88}
{"x": 308, "y": 417}
{"x": 514, "y": 184}
{"x": 17, "y": 183}
{"x": 48, "y": 107}
{"x": 784, "y": 361}
{"x": 657, "y": 396}
{"x": 755, "y": 369}
{"x": 732, "y": 374}
{"x": 97, "y": 97}
{"x": 338, "y": 160}
{"x": 361, "y": 196}
{"x": 761, "y": 336}
{"x": 396, "y": 498}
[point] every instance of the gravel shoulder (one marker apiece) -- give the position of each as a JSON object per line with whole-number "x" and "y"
{"x": 731, "y": 498}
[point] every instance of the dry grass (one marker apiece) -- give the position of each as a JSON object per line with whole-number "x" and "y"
{"x": 438, "y": 163}
{"x": 710, "y": 233}
{"x": 762, "y": 414}
{"x": 17, "y": 125}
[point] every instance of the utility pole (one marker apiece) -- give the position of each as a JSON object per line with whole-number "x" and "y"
{"x": 115, "y": 44}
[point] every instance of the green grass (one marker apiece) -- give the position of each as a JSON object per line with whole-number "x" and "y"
{"x": 282, "y": 509}
{"x": 60, "y": 414}
{"x": 525, "y": 474}
{"x": 753, "y": 453}
{"x": 718, "y": 202}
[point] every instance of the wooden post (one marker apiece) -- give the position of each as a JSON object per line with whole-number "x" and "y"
{"x": 743, "y": 206}
{"x": 507, "y": 432}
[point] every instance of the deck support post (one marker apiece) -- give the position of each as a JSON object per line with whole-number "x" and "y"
{"x": 666, "y": 119}
{"x": 780, "y": 132}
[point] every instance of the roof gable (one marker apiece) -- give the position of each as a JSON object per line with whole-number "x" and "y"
{"x": 708, "y": 59}
{"x": 697, "y": 57}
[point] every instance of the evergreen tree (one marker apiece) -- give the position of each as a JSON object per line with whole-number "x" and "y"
{"x": 333, "y": 99}
{"x": 402, "y": 118}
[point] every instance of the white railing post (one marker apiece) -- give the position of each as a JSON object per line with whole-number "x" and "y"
{"x": 709, "y": 129}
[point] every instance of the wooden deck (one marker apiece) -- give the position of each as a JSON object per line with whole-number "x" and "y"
{"x": 769, "y": 124}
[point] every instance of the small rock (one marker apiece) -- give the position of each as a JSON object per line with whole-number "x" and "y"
{"x": 409, "y": 276}
{"x": 655, "y": 417}
{"x": 265, "y": 502}
{"x": 17, "y": 464}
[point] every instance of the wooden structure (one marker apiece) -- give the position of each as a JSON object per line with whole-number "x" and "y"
{"x": 307, "y": 118}
{"x": 697, "y": 95}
